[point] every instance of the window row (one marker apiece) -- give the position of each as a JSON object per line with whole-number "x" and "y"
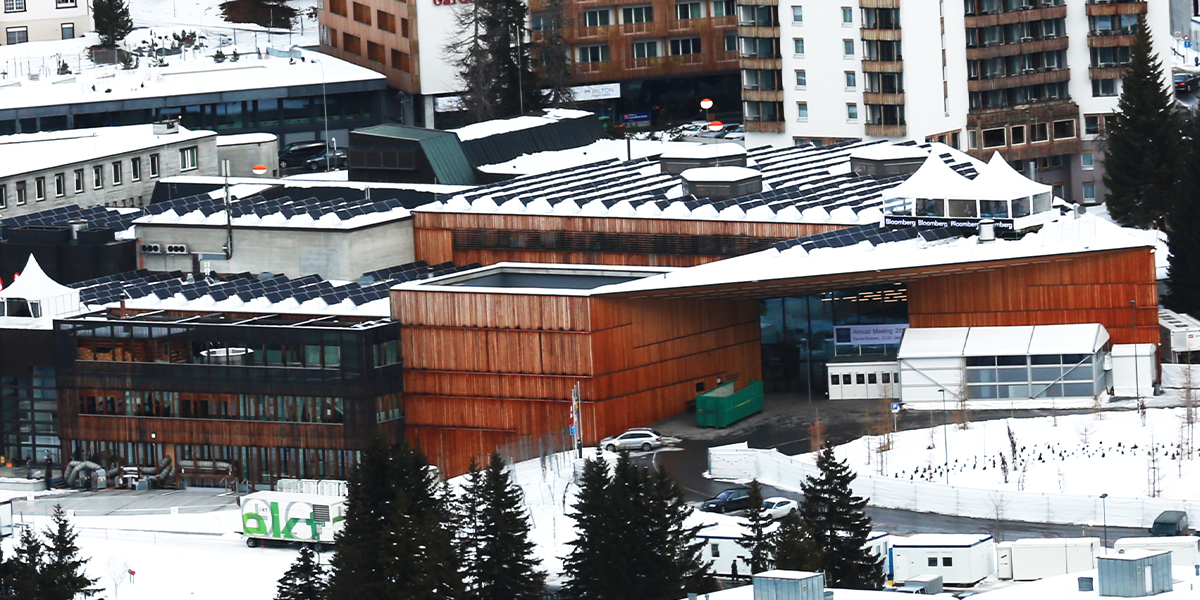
{"x": 80, "y": 179}
{"x": 846, "y": 13}
{"x": 991, "y": 7}
{"x": 802, "y": 111}
{"x": 644, "y": 13}
{"x": 1033, "y": 133}
{"x": 885, "y": 378}
{"x": 1018, "y": 95}
{"x": 1016, "y": 33}
{"x": 1020, "y": 64}
{"x": 1112, "y": 24}
{"x": 849, "y": 78}
{"x": 235, "y": 407}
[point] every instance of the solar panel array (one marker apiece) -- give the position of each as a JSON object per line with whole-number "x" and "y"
{"x": 96, "y": 216}
{"x": 802, "y": 178}
{"x": 285, "y": 206}
{"x": 245, "y": 286}
{"x": 864, "y": 233}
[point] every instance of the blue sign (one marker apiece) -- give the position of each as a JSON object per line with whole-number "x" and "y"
{"x": 636, "y": 118}
{"x": 572, "y": 430}
{"x": 895, "y": 407}
{"x": 1187, "y": 44}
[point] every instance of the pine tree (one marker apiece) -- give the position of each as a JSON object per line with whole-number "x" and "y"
{"x": 682, "y": 565}
{"x": 1141, "y": 158}
{"x": 63, "y": 575}
{"x": 502, "y": 565}
{"x": 357, "y": 569}
{"x": 304, "y": 580}
{"x": 1184, "y": 238}
{"x": 466, "y": 535}
{"x": 795, "y": 548}
{"x": 25, "y": 567}
{"x": 757, "y": 540}
{"x": 839, "y": 526}
{"x": 593, "y": 568}
{"x": 554, "y": 53}
{"x": 112, "y": 21}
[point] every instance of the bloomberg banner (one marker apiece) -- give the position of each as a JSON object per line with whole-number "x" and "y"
{"x": 942, "y": 222}
{"x": 861, "y": 335}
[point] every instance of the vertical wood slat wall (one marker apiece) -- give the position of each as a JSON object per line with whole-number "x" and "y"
{"x": 433, "y": 240}
{"x": 1089, "y": 288}
{"x": 485, "y": 369}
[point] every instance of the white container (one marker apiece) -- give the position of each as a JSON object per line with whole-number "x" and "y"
{"x": 961, "y": 559}
{"x": 1030, "y": 559}
{"x": 292, "y": 517}
{"x": 1128, "y": 381}
{"x": 1184, "y": 549}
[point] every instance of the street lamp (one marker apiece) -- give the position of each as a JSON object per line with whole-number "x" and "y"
{"x": 945, "y": 435}
{"x": 1137, "y": 386}
{"x": 1104, "y": 507}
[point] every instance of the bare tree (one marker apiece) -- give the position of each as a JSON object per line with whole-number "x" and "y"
{"x": 477, "y": 70}
{"x": 553, "y": 53}
{"x": 1153, "y": 470}
{"x": 999, "y": 505}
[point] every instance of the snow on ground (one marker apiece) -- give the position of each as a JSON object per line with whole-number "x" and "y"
{"x": 1087, "y": 454}
{"x": 206, "y": 19}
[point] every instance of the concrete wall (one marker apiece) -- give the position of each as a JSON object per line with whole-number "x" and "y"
{"x": 244, "y": 155}
{"x": 330, "y": 253}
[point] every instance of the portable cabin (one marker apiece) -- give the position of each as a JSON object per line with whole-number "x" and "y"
{"x": 1135, "y": 573}
{"x": 961, "y": 559}
{"x": 1036, "y": 558}
{"x": 1184, "y": 549}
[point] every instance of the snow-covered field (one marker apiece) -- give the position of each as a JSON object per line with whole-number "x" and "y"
{"x": 1088, "y": 454}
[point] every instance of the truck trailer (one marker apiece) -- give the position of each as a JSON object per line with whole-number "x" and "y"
{"x": 291, "y": 517}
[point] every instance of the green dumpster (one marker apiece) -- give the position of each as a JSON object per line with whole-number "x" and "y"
{"x": 722, "y": 406}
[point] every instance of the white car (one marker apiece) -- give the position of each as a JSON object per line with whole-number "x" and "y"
{"x": 778, "y": 508}
{"x": 634, "y": 439}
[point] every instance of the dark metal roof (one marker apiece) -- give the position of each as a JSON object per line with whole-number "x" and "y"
{"x": 554, "y": 135}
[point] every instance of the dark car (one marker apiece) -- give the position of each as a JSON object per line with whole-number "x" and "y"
{"x": 728, "y": 501}
{"x": 1185, "y": 82}
{"x": 334, "y": 159}
{"x": 297, "y": 154}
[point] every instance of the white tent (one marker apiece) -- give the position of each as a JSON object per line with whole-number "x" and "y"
{"x": 35, "y": 296}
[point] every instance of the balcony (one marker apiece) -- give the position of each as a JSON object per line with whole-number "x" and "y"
{"x": 1020, "y": 16}
{"x": 1030, "y": 47}
{"x": 1110, "y": 38}
{"x": 883, "y": 98}
{"x": 762, "y": 95}
{"x": 879, "y": 3}
{"x": 1116, "y": 7}
{"x": 1039, "y": 110}
{"x": 888, "y": 35}
{"x": 1026, "y": 78}
{"x": 883, "y": 66}
{"x": 1106, "y": 72}
{"x": 881, "y": 130}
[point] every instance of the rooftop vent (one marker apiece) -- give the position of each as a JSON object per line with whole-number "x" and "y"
{"x": 166, "y": 127}
{"x": 987, "y": 231}
{"x": 886, "y": 160}
{"x": 721, "y": 183}
{"x": 76, "y": 226}
{"x": 674, "y": 162}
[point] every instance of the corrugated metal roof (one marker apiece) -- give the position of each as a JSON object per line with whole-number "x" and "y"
{"x": 446, "y": 157}
{"x": 560, "y": 135}
{"x": 403, "y": 132}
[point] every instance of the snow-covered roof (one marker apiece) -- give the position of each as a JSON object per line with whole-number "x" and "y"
{"x": 1066, "y": 587}
{"x": 889, "y": 152}
{"x": 245, "y": 138}
{"x": 935, "y": 180}
{"x": 497, "y": 126}
{"x": 184, "y": 75}
{"x": 1079, "y": 338}
{"x": 691, "y": 150}
{"x": 120, "y": 219}
{"x": 999, "y": 178}
{"x": 892, "y": 250}
{"x": 311, "y": 181}
{"x": 800, "y": 185}
{"x": 598, "y": 151}
{"x": 940, "y": 540}
{"x": 54, "y": 299}
{"x": 556, "y": 277}
{"x": 1018, "y": 340}
{"x": 719, "y": 174}
{"x": 933, "y": 342}
{"x": 998, "y": 341}
{"x": 29, "y": 152}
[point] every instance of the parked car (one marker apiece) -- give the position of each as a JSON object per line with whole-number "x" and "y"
{"x": 336, "y": 159}
{"x": 1185, "y": 82}
{"x": 638, "y": 438}
{"x": 296, "y": 154}
{"x": 778, "y": 508}
{"x": 737, "y": 133}
{"x": 1170, "y": 523}
{"x": 728, "y": 501}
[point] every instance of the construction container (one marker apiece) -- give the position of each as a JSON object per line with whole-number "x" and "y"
{"x": 722, "y": 406}
{"x": 789, "y": 585}
{"x": 1036, "y": 558}
{"x": 1134, "y": 573}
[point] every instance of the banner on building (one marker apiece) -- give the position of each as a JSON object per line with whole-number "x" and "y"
{"x": 868, "y": 335}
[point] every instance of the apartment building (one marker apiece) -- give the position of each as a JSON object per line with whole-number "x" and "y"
{"x": 45, "y": 20}
{"x": 1032, "y": 79}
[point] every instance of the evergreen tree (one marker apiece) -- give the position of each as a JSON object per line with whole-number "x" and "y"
{"x": 493, "y": 57}
{"x": 502, "y": 565}
{"x": 466, "y": 538}
{"x": 554, "y": 53}
{"x": 679, "y": 552}
{"x": 1141, "y": 158}
{"x": 594, "y": 567}
{"x": 112, "y": 21}
{"x": 357, "y": 567}
{"x": 304, "y": 580}
{"x": 63, "y": 575}
{"x": 838, "y": 525}
{"x": 25, "y": 567}
{"x": 795, "y": 548}
{"x": 1184, "y": 239}
{"x": 756, "y": 539}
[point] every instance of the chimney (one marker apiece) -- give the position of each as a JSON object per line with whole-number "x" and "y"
{"x": 76, "y": 226}
{"x": 166, "y": 127}
{"x": 987, "y": 231}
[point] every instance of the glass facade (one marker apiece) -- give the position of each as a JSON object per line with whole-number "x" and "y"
{"x": 29, "y": 416}
{"x": 1036, "y": 376}
{"x": 798, "y": 333}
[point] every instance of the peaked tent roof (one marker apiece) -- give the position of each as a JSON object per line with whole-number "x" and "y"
{"x": 998, "y": 178}
{"x": 935, "y": 179}
{"x": 34, "y": 284}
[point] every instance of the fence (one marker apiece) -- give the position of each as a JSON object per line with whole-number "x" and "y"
{"x": 738, "y": 461}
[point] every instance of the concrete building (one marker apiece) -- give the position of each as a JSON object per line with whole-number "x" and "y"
{"x": 1031, "y": 79}
{"x": 45, "y": 20}
{"x": 110, "y": 166}
{"x": 244, "y": 151}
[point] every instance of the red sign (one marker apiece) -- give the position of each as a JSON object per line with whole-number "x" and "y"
{"x": 449, "y": 2}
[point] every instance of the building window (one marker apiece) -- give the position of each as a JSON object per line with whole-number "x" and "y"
{"x": 39, "y": 189}
{"x": 351, "y": 44}
{"x": 731, "y": 41}
{"x": 116, "y": 168}
{"x": 3, "y": 196}
{"x": 801, "y": 79}
{"x": 993, "y": 138}
{"x": 687, "y": 10}
{"x": 362, "y": 13}
{"x": 78, "y": 181}
{"x": 154, "y": 165}
{"x": 14, "y": 6}
{"x": 851, "y": 80}
{"x": 847, "y": 15}
{"x": 20, "y": 186}
{"x": 645, "y": 49}
{"x": 60, "y": 185}
{"x": 97, "y": 177}
{"x": 931, "y": 561}
{"x": 1038, "y": 132}
{"x": 762, "y": 111}
{"x": 1016, "y": 135}
{"x": 637, "y": 14}
{"x": 375, "y": 53}
{"x": 187, "y": 158}
{"x": 973, "y": 139}
{"x": 404, "y": 28}
{"x": 18, "y": 35}
{"x": 724, "y": 8}
{"x": 385, "y": 21}
{"x": 1088, "y": 161}
{"x": 1105, "y": 87}
{"x": 1091, "y": 125}
{"x": 851, "y": 111}
{"x": 802, "y": 111}
{"x": 68, "y": 31}
{"x": 947, "y": 561}
{"x": 64, "y": 4}
{"x": 683, "y": 46}
{"x": 135, "y": 168}
{"x": 1064, "y": 130}
{"x": 797, "y": 14}
{"x": 400, "y": 61}
{"x": 848, "y": 48}
{"x": 1089, "y": 192}
{"x": 798, "y": 46}
{"x": 337, "y": 7}
{"x": 596, "y": 18}
{"x": 592, "y": 54}
{"x": 329, "y": 36}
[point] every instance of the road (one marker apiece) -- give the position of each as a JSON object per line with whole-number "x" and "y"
{"x": 784, "y": 424}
